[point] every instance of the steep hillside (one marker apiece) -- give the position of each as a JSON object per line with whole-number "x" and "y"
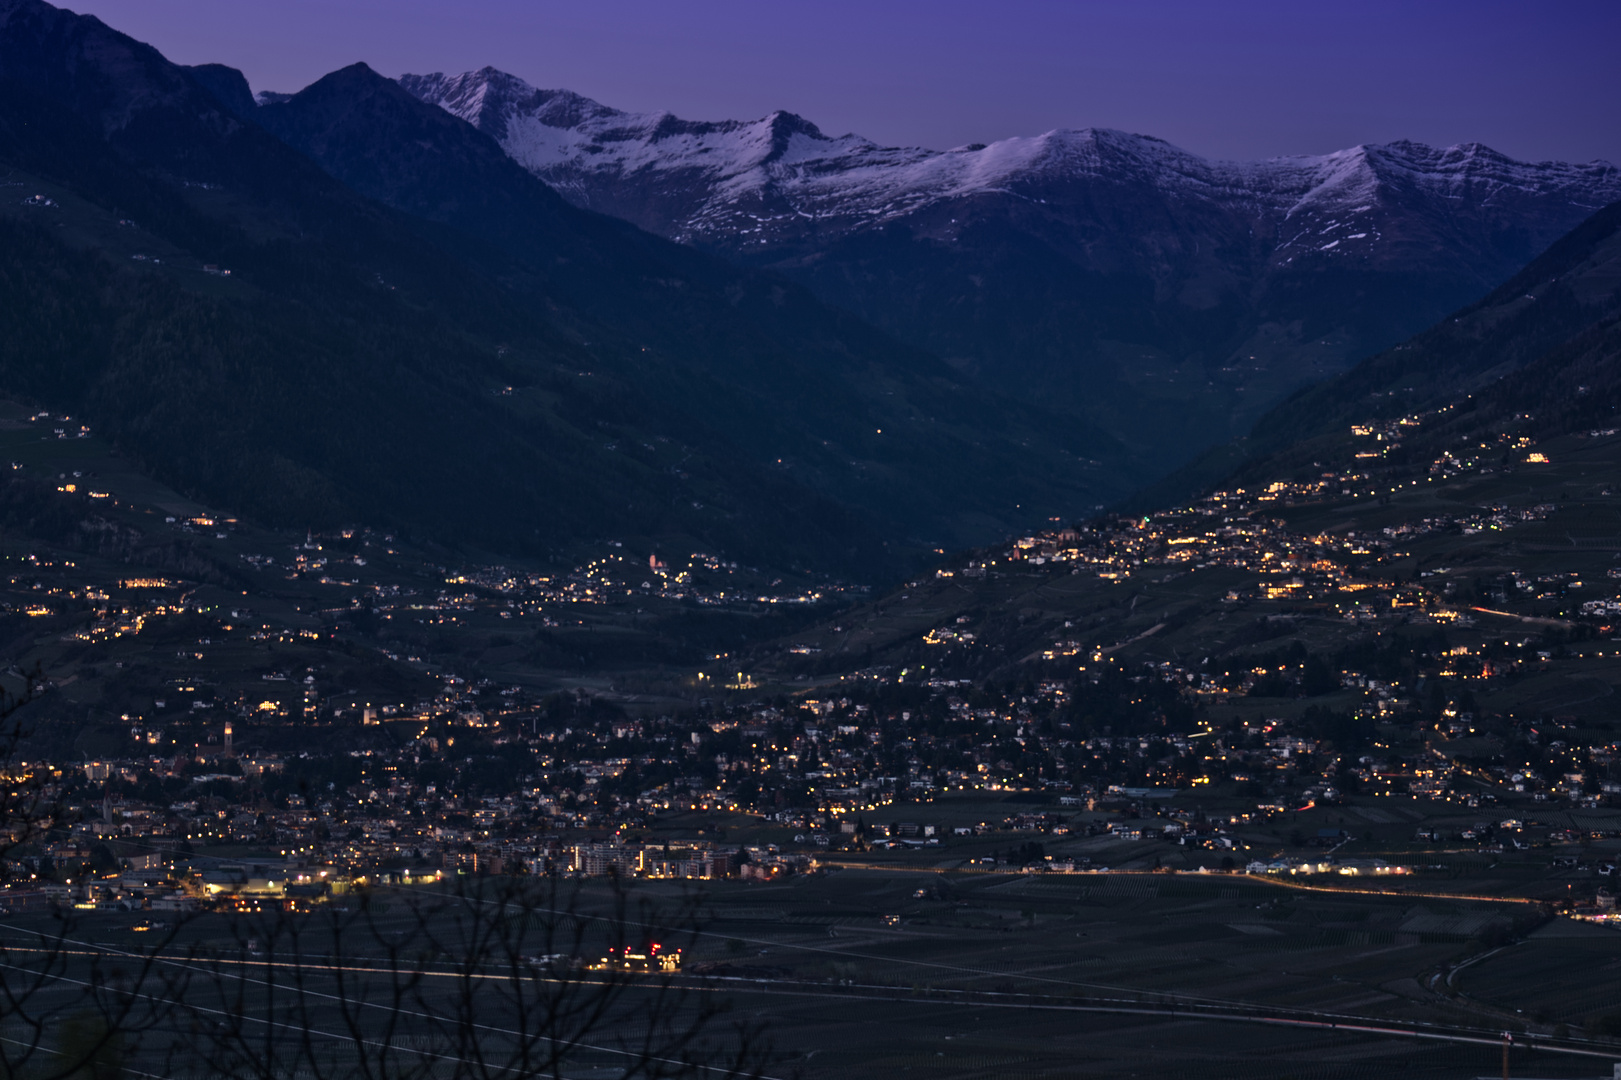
{"x": 1434, "y": 534}
{"x": 431, "y": 337}
{"x": 812, "y": 391}
{"x": 1544, "y": 348}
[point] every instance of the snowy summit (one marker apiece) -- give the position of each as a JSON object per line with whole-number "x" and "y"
{"x": 780, "y": 180}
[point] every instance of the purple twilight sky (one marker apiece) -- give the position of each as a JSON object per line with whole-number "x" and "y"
{"x": 1238, "y": 79}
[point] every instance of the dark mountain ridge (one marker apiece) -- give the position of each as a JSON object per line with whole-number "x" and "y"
{"x": 417, "y": 331}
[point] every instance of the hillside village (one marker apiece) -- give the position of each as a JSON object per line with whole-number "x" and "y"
{"x": 1343, "y": 729}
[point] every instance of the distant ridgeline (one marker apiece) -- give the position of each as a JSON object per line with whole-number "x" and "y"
{"x": 1167, "y": 298}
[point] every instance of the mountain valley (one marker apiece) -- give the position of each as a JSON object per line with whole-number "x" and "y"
{"x": 1169, "y": 299}
{"x": 1056, "y": 606}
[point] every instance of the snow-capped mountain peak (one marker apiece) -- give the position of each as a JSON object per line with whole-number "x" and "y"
{"x": 780, "y": 180}
{"x": 1086, "y": 265}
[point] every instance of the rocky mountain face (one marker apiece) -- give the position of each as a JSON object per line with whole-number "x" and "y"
{"x": 1169, "y": 297}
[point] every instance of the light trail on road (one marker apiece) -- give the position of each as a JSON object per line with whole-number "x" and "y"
{"x": 1173, "y": 1008}
{"x": 1325, "y": 1021}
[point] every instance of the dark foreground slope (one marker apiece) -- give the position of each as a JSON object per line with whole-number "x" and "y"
{"x": 403, "y": 363}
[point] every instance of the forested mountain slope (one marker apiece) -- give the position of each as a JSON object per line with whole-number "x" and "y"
{"x": 435, "y": 340}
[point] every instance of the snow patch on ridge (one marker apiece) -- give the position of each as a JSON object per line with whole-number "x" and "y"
{"x": 780, "y": 176}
